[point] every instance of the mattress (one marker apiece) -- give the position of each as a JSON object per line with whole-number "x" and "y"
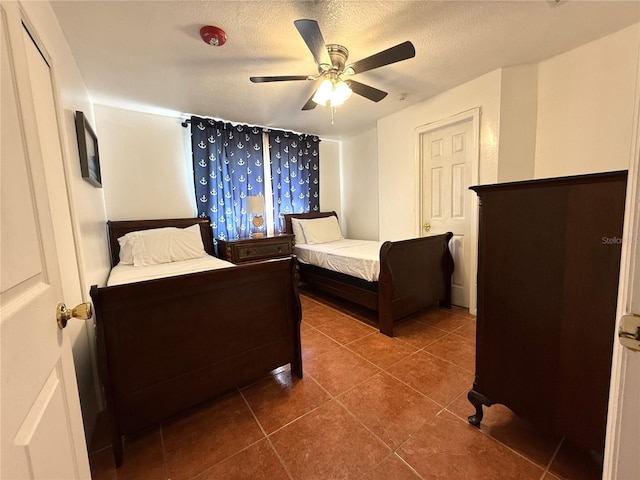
{"x": 357, "y": 258}
{"x": 122, "y": 274}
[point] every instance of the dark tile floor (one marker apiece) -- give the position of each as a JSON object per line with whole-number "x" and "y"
{"x": 369, "y": 407}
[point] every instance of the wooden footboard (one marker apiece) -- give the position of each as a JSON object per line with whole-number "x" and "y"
{"x": 414, "y": 274}
{"x": 169, "y": 344}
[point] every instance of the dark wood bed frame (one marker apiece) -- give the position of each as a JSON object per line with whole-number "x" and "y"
{"x": 169, "y": 344}
{"x": 414, "y": 274}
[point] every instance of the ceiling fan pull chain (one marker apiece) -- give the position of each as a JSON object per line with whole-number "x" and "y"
{"x": 333, "y": 114}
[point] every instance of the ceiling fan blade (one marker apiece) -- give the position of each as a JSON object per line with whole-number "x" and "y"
{"x": 391, "y": 55}
{"x": 366, "y": 91}
{"x": 310, "y": 33}
{"x": 283, "y": 78}
{"x": 310, "y": 105}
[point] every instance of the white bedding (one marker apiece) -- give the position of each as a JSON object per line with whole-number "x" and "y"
{"x": 121, "y": 274}
{"x": 358, "y": 258}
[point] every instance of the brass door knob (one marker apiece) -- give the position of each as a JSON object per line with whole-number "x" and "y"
{"x": 427, "y": 227}
{"x": 84, "y": 311}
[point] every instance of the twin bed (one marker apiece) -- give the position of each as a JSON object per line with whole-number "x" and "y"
{"x": 168, "y": 344}
{"x": 394, "y": 278}
{"x": 177, "y": 327}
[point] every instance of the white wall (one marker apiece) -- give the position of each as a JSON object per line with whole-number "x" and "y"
{"x": 86, "y": 214}
{"x": 585, "y": 107}
{"x": 518, "y": 114}
{"x": 359, "y": 172}
{"x": 145, "y": 170}
{"x": 330, "y": 194}
{"x": 397, "y": 166}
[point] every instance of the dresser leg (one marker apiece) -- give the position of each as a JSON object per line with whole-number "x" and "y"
{"x": 477, "y": 400}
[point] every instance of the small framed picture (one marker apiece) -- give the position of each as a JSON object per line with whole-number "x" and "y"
{"x": 88, "y": 148}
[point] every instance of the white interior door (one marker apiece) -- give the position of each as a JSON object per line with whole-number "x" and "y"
{"x": 41, "y": 430}
{"x": 623, "y": 439}
{"x": 622, "y": 445}
{"x": 447, "y": 155}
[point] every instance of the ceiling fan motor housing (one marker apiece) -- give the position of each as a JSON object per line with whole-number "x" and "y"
{"x": 338, "y": 55}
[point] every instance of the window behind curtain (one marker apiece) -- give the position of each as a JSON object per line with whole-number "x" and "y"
{"x": 229, "y": 165}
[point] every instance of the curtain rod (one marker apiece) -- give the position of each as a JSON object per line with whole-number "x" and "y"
{"x": 185, "y": 123}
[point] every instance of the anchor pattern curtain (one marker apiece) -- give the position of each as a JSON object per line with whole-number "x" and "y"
{"x": 227, "y": 167}
{"x": 295, "y": 178}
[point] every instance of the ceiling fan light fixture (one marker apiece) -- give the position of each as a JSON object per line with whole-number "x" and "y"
{"x": 214, "y": 36}
{"x": 323, "y": 93}
{"x": 341, "y": 93}
{"x": 332, "y": 92}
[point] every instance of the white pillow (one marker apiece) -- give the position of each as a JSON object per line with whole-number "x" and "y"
{"x": 163, "y": 245}
{"x": 321, "y": 230}
{"x": 151, "y": 247}
{"x": 187, "y": 244}
{"x": 126, "y": 253}
{"x": 297, "y": 231}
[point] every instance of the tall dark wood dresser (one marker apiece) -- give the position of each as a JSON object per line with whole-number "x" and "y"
{"x": 548, "y": 265}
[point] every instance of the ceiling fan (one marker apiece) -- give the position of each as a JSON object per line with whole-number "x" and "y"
{"x": 334, "y": 82}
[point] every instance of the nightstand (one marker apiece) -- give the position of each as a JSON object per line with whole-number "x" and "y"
{"x": 255, "y": 249}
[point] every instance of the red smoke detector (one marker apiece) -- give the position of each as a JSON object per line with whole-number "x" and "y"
{"x": 213, "y": 35}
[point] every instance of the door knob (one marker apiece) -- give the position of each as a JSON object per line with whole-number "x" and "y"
{"x": 629, "y": 333}
{"x": 427, "y": 227}
{"x": 84, "y": 311}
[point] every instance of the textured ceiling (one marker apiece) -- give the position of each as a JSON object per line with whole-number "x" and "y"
{"x": 148, "y": 55}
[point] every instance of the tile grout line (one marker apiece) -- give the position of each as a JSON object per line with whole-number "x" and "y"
{"x": 266, "y": 436}
{"x": 415, "y": 389}
{"x": 521, "y": 455}
{"x": 384, "y": 370}
{"x": 354, "y": 385}
{"x": 445, "y": 360}
{"x": 208, "y": 469}
{"x": 164, "y": 454}
{"x": 331, "y": 397}
{"x": 399, "y": 457}
{"x": 553, "y": 457}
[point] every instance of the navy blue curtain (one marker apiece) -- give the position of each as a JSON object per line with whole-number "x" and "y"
{"x": 295, "y": 174}
{"x": 227, "y": 168}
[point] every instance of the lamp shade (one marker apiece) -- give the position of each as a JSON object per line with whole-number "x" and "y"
{"x": 255, "y": 204}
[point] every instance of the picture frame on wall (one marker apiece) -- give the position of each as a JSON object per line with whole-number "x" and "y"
{"x": 88, "y": 149}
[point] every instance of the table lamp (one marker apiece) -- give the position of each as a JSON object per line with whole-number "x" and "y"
{"x": 255, "y": 206}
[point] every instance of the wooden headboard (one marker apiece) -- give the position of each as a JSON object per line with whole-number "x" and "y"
{"x": 117, "y": 229}
{"x": 304, "y": 216}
